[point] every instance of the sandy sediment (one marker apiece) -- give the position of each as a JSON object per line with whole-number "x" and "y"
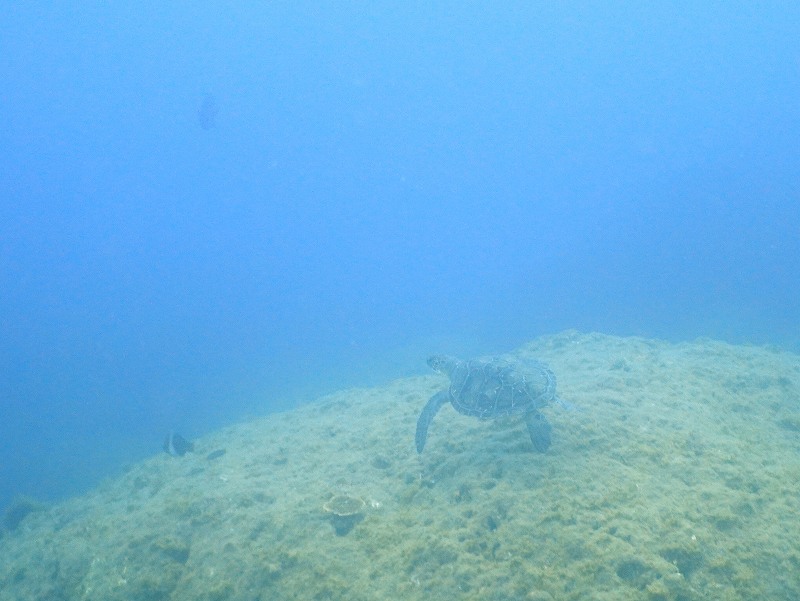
{"x": 677, "y": 479}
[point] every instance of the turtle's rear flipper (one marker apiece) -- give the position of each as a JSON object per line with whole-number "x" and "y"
{"x": 426, "y": 417}
{"x": 539, "y": 430}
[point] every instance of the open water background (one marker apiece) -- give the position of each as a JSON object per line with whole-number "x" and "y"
{"x": 208, "y": 213}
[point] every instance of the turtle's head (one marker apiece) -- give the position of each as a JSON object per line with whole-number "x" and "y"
{"x": 439, "y": 363}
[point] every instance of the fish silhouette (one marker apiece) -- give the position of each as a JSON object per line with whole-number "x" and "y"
{"x": 207, "y": 113}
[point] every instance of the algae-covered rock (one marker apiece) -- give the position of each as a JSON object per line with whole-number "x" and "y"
{"x": 345, "y": 512}
{"x": 671, "y": 485}
{"x": 19, "y": 509}
{"x": 344, "y": 506}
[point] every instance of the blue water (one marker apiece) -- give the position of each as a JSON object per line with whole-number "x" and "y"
{"x": 211, "y": 213}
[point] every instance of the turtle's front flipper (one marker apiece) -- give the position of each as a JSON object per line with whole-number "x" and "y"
{"x": 431, "y": 407}
{"x": 539, "y": 430}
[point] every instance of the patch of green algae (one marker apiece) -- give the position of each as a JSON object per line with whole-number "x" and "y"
{"x": 678, "y": 479}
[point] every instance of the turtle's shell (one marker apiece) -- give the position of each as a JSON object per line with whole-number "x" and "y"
{"x": 487, "y": 389}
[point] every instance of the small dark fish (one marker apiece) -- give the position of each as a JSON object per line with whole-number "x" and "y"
{"x": 215, "y": 454}
{"x": 177, "y": 446}
{"x": 207, "y": 113}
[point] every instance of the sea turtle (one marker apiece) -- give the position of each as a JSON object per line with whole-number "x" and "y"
{"x": 489, "y": 389}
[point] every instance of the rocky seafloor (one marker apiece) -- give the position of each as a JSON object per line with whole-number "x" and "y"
{"x": 677, "y": 478}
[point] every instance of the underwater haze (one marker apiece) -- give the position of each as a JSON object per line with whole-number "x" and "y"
{"x": 212, "y": 212}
